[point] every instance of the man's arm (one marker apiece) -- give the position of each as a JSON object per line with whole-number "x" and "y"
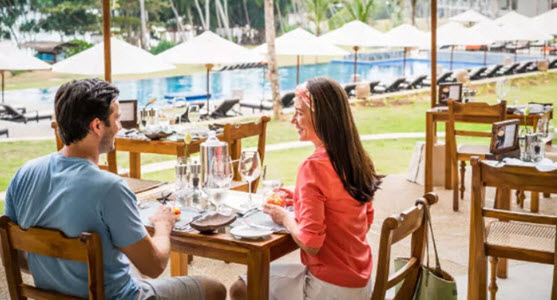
{"x": 151, "y": 254}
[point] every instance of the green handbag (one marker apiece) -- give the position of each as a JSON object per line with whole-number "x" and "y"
{"x": 433, "y": 283}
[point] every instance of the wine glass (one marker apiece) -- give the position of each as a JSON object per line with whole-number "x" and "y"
{"x": 193, "y": 114}
{"x": 221, "y": 172}
{"x": 250, "y": 169}
{"x": 183, "y": 175}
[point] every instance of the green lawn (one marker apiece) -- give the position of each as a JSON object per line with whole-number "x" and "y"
{"x": 390, "y": 156}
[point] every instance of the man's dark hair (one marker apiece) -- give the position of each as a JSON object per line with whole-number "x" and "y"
{"x": 79, "y": 102}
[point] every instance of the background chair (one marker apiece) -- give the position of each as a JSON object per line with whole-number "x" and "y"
{"x": 516, "y": 235}
{"x": 414, "y": 83}
{"x": 224, "y": 107}
{"x": 411, "y": 222}
{"x": 87, "y": 248}
{"x": 472, "y": 112}
{"x": 233, "y": 135}
{"x": 15, "y": 115}
{"x": 4, "y": 131}
{"x": 392, "y": 86}
{"x": 287, "y": 99}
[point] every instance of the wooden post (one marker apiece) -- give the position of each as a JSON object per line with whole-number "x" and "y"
{"x": 452, "y": 50}
{"x": 2, "y": 85}
{"x": 404, "y": 63}
{"x": 356, "y": 48}
{"x": 433, "y": 87}
{"x": 106, "y": 38}
{"x": 209, "y": 67}
{"x": 297, "y": 69}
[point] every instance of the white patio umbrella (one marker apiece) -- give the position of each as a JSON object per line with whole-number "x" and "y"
{"x": 547, "y": 21}
{"x": 525, "y": 32}
{"x": 209, "y": 49}
{"x": 14, "y": 59}
{"x": 407, "y": 36}
{"x": 490, "y": 30}
{"x": 357, "y": 34}
{"x": 126, "y": 59}
{"x": 299, "y": 42}
{"x": 455, "y": 34}
{"x": 512, "y": 17}
{"x": 469, "y": 16}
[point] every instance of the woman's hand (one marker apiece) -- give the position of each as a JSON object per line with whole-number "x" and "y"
{"x": 277, "y": 213}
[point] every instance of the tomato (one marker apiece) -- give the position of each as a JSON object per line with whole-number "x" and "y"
{"x": 289, "y": 202}
{"x": 176, "y": 211}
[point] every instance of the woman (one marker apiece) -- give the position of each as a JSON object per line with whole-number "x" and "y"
{"x": 332, "y": 203}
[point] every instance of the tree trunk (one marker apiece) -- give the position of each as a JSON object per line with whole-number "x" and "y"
{"x": 207, "y": 15}
{"x": 224, "y": 17}
{"x": 280, "y": 20}
{"x": 144, "y": 34}
{"x": 179, "y": 24}
{"x": 414, "y": 12}
{"x": 246, "y": 13}
{"x": 201, "y": 15}
{"x": 272, "y": 63}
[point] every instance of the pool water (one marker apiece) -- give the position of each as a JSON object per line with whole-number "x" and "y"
{"x": 251, "y": 80}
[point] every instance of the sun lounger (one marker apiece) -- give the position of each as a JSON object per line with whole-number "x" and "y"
{"x": 440, "y": 79}
{"x": 224, "y": 107}
{"x": 523, "y": 67}
{"x": 260, "y": 105}
{"x": 349, "y": 89}
{"x": 287, "y": 99}
{"x": 507, "y": 70}
{"x": 393, "y": 86}
{"x": 553, "y": 64}
{"x": 512, "y": 48}
{"x": 491, "y": 71}
{"x": 184, "y": 118}
{"x": 415, "y": 83}
{"x": 4, "y": 131}
{"x": 498, "y": 46}
{"x": 373, "y": 84}
{"x": 477, "y": 73}
{"x": 12, "y": 114}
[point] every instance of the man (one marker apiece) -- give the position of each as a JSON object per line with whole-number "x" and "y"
{"x": 67, "y": 191}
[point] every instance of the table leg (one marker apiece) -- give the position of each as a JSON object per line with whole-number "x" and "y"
{"x": 178, "y": 264}
{"x": 429, "y": 140}
{"x": 448, "y": 163}
{"x": 502, "y": 201}
{"x": 135, "y": 165}
{"x": 111, "y": 159}
{"x": 534, "y": 202}
{"x": 258, "y": 274}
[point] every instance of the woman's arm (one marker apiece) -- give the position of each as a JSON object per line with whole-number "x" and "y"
{"x": 286, "y": 218}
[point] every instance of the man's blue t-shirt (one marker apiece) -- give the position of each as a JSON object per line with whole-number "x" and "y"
{"x": 72, "y": 195}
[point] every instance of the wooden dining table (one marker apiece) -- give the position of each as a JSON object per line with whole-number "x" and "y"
{"x": 256, "y": 255}
{"x": 441, "y": 114}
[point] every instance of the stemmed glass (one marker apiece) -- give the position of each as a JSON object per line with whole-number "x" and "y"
{"x": 221, "y": 174}
{"x": 250, "y": 169}
{"x": 182, "y": 180}
{"x": 193, "y": 113}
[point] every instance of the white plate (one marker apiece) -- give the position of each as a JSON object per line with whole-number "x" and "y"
{"x": 248, "y": 232}
{"x": 235, "y": 199}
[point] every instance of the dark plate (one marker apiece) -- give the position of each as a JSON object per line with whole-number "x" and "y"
{"x": 212, "y": 223}
{"x": 158, "y": 135}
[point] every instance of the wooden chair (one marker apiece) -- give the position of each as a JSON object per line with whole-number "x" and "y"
{"x": 111, "y": 165}
{"x": 233, "y": 135}
{"x": 411, "y": 222}
{"x": 472, "y": 112}
{"x": 87, "y": 248}
{"x": 516, "y": 235}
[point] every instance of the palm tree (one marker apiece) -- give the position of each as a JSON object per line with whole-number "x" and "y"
{"x": 272, "y": 63}
{"x": 317, "y": 12}
{"x": 413, "y": 4}
{"x": 359, "y": 9}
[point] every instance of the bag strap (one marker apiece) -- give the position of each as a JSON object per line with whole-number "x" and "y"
{"x": 428, "y": 219}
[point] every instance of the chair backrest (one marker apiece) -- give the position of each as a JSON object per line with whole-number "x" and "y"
{"x": 233, "y": 135}
{"x": 444, "y": 76}
{"x": 111, "y": 165}
{"x": 396, "y": 83}
{"x": 472, "y": 112}
{"x": 417, "y": 81}
{"x": 349, "y": 88}
{"x": 87, "y": 248}
{"x": 411, "y": 222}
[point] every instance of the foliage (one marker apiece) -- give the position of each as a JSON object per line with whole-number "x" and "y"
{"x": 360, "y": 9}
{"x": 69, "y": 17}
{"x": 318, "y": 12}
{"x": 81, "y": 45}
{"x": 162, "y": 46}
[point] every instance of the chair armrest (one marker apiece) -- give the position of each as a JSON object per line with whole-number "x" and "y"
{"x": 519, "y": 216}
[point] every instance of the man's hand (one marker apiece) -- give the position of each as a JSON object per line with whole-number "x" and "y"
{"x": 164, "y": 218}
{"x": 277, "y": 213}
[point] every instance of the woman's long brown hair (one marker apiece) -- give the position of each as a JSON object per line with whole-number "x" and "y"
{"x": 334, "y": 125}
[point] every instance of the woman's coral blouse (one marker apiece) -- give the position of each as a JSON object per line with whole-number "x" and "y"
{"x": 330, "y": 219}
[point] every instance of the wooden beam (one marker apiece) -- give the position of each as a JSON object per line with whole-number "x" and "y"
{"x": 106, "y": 39}
{"x": 433, "y": 52}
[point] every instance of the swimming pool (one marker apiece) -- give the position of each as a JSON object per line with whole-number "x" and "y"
{"x": 251, "y": 80}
